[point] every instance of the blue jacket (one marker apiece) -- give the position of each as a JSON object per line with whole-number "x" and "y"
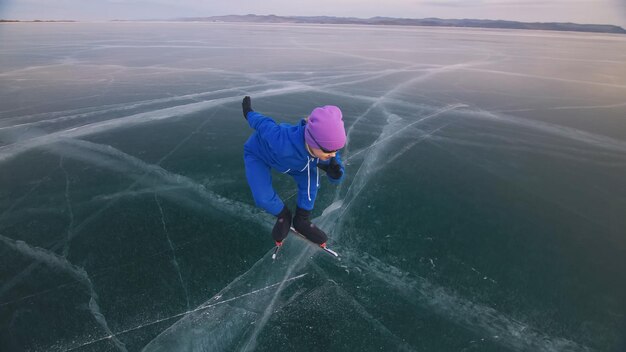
{"x": 282, "y": 146}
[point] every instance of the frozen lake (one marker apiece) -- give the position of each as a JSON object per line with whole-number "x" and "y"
{"x": 482, "y": 210}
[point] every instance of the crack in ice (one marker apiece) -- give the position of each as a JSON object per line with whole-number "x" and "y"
{"x": 68, "y": 203}
{"x": 183, "y": 314}
{"x": 57, "y": 262}
{"x": 173, "y": 252}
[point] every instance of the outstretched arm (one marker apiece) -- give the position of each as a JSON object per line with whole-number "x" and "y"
{"x": 265, "y": 126}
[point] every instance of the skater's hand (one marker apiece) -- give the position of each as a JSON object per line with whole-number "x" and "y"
{"x": 333, "y": 169}
{"x": 246, "y": 106}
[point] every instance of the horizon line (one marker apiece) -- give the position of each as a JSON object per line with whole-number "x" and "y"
{"x": 296, "y": 16}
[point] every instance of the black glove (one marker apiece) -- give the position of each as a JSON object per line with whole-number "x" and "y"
{"x": 333, "y": 169}
{"x": 246, "y": 105}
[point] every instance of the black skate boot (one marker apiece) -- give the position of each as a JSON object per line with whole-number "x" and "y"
{"x": 281, "y": 228}
{"x": 303, "y": 225}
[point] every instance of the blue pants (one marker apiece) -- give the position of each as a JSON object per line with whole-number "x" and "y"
{"x": 259, "y": 178}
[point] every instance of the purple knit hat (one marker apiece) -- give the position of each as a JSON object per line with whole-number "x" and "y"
{"x": 324, "y": 128}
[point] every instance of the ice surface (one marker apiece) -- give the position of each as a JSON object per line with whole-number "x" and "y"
{"x": 482, "y": 207}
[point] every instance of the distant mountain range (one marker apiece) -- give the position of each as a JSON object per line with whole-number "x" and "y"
{"x": 47, "y": 21}
{"x": 436, "y": 22}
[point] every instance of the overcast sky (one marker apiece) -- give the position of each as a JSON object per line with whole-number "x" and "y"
{"x": 579, "y": 11}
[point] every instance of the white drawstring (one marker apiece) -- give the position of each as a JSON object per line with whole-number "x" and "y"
{"x": 318, "y": 173}
{"x": 308, "y": 180}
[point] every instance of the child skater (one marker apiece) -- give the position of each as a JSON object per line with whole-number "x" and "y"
{"x": 297, "y": 150}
